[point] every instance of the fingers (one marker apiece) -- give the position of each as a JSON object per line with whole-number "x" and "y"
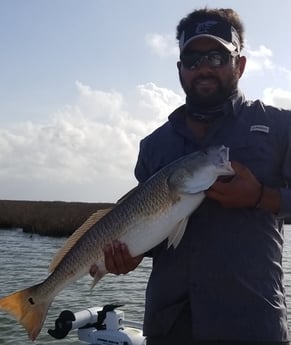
{"x": 217, "y": 192}
{"x": 237, "y": 166}
{"x": 218, "y": 187}
{"x": 241, "y": 191}
{"x": 118, "y": 259}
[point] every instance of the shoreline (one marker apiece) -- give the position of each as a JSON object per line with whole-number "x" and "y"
{"x": 47, "y": 218}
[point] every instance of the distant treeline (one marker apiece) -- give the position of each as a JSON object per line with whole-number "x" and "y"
{"x": 49, "y": 218}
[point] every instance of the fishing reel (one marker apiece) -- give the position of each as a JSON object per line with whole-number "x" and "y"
{"x": 99, "y": 326}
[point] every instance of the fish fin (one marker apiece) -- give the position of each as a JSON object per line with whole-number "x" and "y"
{"x": 96, "y": 279}
{"x": 99, "y": 271}
{"x": 25, "y": 308}
{"x": 190, "y": 185}
{"x": 177, "y": 233}
{"x": 193, "y": 187}
{"x": 127, "y": 195}
{"x": 77, "y": 234}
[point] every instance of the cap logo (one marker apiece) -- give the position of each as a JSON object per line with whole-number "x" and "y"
{"x": 222, "y": 31}
{"x": 205, "y": 27}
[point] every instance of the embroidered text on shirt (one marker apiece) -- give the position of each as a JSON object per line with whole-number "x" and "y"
{"x": 260, "y": 128}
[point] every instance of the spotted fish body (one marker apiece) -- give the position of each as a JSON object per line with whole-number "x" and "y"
{"x": 154, "y": 211}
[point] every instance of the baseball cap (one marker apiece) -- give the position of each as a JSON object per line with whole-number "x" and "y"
{"x": 222, "y": 32}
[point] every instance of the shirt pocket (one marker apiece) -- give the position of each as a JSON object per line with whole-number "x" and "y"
{"x": 256, "y": 151}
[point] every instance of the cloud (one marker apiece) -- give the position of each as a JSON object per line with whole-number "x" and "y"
{"x": 277, "y": 97}
{"x": 84, "y": 151}
{"x": 162, "y": 45}
{"x": 259, "y": 59}
{"x": 157, "y": 102}
{"x": 286, "y": 73}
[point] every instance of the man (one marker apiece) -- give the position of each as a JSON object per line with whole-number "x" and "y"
{"x": 224, "y": 282}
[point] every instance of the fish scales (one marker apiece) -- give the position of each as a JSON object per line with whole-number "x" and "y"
{"x": 151, "y": 202}
{"x": 155, "y": 210}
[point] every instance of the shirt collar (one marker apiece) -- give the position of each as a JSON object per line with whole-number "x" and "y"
{"x": 232, "y": 106}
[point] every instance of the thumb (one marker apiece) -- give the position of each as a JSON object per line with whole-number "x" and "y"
{"x": 238, "y": 168}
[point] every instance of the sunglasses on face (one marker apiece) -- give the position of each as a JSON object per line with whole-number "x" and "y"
{"x": 215, "y": 58}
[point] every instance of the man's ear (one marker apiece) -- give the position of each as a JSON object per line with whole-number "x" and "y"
{"x": 241, "y": 65}
{"x": 179, "y": 67}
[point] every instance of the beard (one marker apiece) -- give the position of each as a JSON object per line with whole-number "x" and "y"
{"x": 210, "y": 91}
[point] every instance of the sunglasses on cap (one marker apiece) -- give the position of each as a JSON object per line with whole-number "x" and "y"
{"x": 215, "y": 58}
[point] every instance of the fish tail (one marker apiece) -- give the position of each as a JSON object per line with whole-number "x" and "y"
{"x": 27, "y": 308}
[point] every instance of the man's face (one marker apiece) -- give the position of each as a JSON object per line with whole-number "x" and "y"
{"x": 208, "y": 85}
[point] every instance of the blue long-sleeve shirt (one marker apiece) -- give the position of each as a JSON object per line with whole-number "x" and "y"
{"x": 228, "y": 266}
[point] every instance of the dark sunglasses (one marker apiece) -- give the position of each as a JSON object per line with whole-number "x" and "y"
{"x": 215, "y": 58}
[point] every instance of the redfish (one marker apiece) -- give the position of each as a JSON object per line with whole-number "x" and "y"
{"x": 152, "y": 212}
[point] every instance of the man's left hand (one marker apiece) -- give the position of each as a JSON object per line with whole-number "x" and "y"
{"x": 243, "y": 190}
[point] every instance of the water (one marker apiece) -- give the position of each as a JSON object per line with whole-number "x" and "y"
{"x": 25, "y": 258}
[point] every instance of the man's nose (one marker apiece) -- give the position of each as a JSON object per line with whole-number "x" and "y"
{"x": 204, "y": 63}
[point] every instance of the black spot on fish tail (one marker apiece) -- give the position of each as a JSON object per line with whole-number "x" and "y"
{"x": 31, "y": 301}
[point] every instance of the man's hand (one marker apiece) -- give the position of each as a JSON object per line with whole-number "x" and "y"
{"x": 118, "y": 259}
{"x": 243, "y": 190}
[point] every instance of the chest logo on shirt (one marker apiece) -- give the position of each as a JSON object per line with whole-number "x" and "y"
{"x": 260, "y": 128}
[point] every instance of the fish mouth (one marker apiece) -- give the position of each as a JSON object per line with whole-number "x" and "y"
{"x": 229, "y": 168}
{"x": 224, "y": 160}
{"x": 225, "y": 152}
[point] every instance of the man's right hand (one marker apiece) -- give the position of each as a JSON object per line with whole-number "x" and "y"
{"x": 118, "y": 259}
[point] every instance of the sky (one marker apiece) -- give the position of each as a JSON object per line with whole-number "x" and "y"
{"x": 83, "y": 81}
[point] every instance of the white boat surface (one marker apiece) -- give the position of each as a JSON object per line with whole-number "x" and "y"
{"x": 99, "y": 326}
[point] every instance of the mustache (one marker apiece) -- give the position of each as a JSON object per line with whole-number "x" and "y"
{"x": 199, "y": 79}
{"x": 205, "y": 77}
